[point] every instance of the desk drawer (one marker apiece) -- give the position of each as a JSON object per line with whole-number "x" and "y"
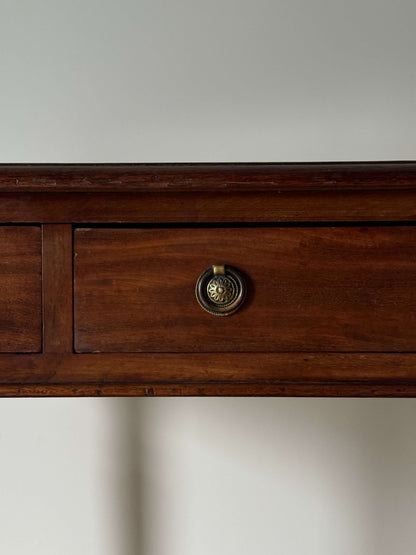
{"x": 20, "y": 289}
{"x": 311, "y": 289}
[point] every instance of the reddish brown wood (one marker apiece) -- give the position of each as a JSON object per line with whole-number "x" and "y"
{"x": 20, "y": 289}
{"x": 214, "y": 368}
{"x": 200, "y": 390}
{"x": 317, "y": 176}
{"x": 57, "y": 289}
{"x": 310, "y": 289}
{"x": 215, "y": 207}
{"x": 282, "y": 374}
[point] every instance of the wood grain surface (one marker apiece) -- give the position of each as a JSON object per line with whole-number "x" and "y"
{"x": 328, "y": 250}
{"x": 339, "y": 289}
{"x": 57, "y": 283}
{"x": 211, "y": 177}
{"x": 176, "y": 389}
{"x": 20, "y": 289}
{"x": 208, "y": 193}
{"x": 244, "y": 374}
{"x": 203, "y": 368}
{"x": 209, "y": 208}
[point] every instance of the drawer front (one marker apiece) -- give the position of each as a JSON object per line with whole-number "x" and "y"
{"x": 20, "y": 289}
{"x": 345, "y": 289}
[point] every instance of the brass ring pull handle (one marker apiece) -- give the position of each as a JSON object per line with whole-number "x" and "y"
{"x": 220, "y": 290}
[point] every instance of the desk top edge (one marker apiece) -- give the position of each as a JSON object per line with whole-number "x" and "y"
{"x": 208, "y": 177}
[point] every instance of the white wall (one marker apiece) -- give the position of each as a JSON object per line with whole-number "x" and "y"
{"x": 194, "y": 80}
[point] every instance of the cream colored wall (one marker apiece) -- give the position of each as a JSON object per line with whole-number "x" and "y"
{"x": 224, "y": 80}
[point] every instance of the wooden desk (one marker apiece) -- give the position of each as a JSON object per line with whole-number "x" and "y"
{"x": 315, "y": 264}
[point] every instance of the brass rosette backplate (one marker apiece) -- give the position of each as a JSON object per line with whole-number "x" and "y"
{"x": 220, "y": 290}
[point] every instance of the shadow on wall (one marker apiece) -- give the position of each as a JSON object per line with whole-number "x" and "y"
{"x": 257, "y": 476}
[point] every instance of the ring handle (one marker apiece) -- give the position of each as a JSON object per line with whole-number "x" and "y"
{"x": 221, "y": 290}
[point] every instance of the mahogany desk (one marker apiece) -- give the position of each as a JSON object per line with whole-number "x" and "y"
{"x": 208, "y": 279}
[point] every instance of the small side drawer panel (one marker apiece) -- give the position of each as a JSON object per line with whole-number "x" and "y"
{"x": 314, "y": 289}
{"x": 20, "y": 289}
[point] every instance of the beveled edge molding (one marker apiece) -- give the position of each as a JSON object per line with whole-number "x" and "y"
{"x": 219, "y": 374}
{"x": 207, "y": 177}
{"x": 356, "y": 389}
{"x": 208, "y": 193}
